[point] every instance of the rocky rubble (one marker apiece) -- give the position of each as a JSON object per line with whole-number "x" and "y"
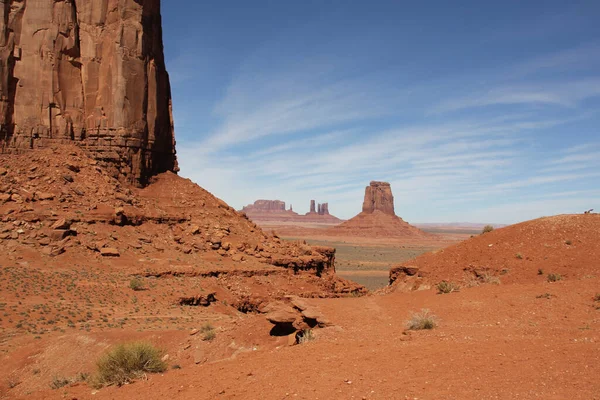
{"x": 59, "y": 200}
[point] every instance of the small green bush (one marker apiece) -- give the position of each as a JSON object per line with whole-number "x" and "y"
{"x": 568, "y": 242}
{"x": 519, "y": 256}
{"x": 136, "y": 284}
{"x": 422, "y": 320}
{"x": 487, "y": 228}
{"x": 129, "y": 361}
{"x": 554, "y": 277}
{"x": 446, "y": 287}
{"x": 597, "y": 297}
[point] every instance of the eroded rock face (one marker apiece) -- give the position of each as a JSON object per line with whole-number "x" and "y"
{"x": 90, "y": 72}
{"x": 324, "y": 209}
{"x": 378, "y": 196}
{"x": 265, "y": 206}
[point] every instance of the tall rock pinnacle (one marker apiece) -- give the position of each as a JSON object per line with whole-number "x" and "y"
{"x": 378, "y": 196}
{"x": 88, "y": 72}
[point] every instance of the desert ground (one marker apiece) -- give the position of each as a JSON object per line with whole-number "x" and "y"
{"x": 91, "y": 263}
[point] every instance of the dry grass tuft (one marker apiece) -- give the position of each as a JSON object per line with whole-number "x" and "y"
{"x": 127, "y": 362}
{"x": 445, "y": 287}
{"x": 422, "y": 320}
{"x": 554, "y": 277}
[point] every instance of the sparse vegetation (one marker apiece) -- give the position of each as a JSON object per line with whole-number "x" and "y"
{"x": 540, "y": 271}
{"x": 544, "y": 296}
{"x": 59, "y": 382}
{"x": 568, "y": 242}
{"x": 306, "y": 336}
{"x": 487, "y": 228}
{"x": 422, "y": 320}
{"x": 136, "y": 284}
{"x": 208, "y": 332}
{"x": 127, "y": 362}
{"x": 486, "y": 277}
{"x": 445, "y": 287}
{"x": 519, "y": 256}
{"x": 554, "y": 277}
{"x": 597, "y": 297}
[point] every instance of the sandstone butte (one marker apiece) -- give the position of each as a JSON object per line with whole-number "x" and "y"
{"x": 378, "y": 218}
{"x": 91, "y": 73}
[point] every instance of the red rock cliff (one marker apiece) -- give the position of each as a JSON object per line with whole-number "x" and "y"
{"x": 378, "y": 196}
{"x": 90, "y": 72}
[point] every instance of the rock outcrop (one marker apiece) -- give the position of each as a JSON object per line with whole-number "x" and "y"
{"x": 268, "y": 211}
{"x": 324, "y": 209}
{"x": 378, "y": 218}
{"x": 88, "y": 72}
{"x": 378, "y": 196}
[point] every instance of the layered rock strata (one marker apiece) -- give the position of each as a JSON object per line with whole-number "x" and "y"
{"x": 378, "y": 196}
{"x": 89, "y": 72}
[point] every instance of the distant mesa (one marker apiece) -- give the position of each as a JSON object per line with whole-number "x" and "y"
{"x": 275, "y": 210}
{"x": 266, "y": 206}
{"x": 378, "y": 218}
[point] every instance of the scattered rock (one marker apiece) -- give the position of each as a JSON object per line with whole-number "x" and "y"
{"x": 203, "y": 300}
{"x": 109, "y": 252}
{"x": 59, "y": 234}
{"x": 45, "y": 196}
{"x": 61, "y": 224}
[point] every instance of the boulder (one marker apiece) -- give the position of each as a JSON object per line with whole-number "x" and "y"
{"x": 283, "y": 315}
{"x": 61, "y": 224}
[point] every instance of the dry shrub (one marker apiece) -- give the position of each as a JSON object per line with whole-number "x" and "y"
{"x": 128, "y": 361}
{"x": 136, "y": 284}
{"x": 554, "y": 277}
{"x": 306, "y": 336}
{"x": 486, "y": 277}
{"x": 447, "y": 287}
{"x": 422, "y": 320}
{"x": 487, "y": 229}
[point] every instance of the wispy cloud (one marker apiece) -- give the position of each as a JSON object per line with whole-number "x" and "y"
{"x": 504, "y": 147}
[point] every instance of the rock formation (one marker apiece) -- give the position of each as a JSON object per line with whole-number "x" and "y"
{"x": 378, "y": 218}
{"x": 324, "y": 209}
{"x": 90, "y": 72}
{"x": 268, "y": 206}
{"x": 320, "y": 209}
{"x": 378, "y": 196}
{"x": 268, "y": 211}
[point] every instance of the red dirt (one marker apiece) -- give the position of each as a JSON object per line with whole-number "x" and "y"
{"x": 492, "y": 342}
{"x": 567, "y": 245}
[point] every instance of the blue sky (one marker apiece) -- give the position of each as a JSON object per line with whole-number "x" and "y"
{"x": 475, "y": 111}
